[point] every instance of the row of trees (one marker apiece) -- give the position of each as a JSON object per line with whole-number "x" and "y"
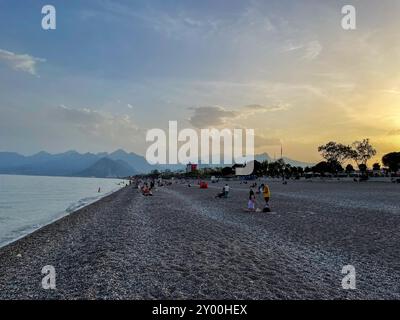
{"x": 335, "y": 155}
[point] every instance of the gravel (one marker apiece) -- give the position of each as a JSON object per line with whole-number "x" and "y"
{"x": 182, "y": 243}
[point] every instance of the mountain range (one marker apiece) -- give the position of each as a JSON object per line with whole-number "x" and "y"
{"x": 101, "y": 165}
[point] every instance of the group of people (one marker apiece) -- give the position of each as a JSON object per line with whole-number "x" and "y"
{"x": 145, "y": 187}
{"x": 264, "y": 189}
{"x": 251, "y": 204}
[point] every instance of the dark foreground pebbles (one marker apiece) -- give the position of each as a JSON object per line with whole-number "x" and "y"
{"x": 185, "y": 244}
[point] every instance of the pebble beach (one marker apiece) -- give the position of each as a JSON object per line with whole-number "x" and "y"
{"x": 183, "y": 243}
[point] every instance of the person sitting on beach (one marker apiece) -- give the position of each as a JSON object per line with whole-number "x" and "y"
{"x": 267, "y": 196}
{"x": 220, "y": 194}
{"x": 223, "y": 193}
{"x": 146, "y": 191}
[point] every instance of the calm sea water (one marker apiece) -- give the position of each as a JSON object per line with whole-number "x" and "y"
{"x": 30, "y": 202}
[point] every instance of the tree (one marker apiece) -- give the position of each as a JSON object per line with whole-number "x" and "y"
{"x": 392, "y": 161}
{"x": 276, "y": 168}
{"x": 264, "y": 168}
{"x": 321, "y": 167}
{"x": 227, "y": 171}
{"x": 154, "y": 174}
{"x": 335, "y": 152}
{"x": 335, "y": 167}
{"x": 362, "y": 167}
{"x": 349, "y": 168}
{"x": 363, "y": 151}
{"x": 287, "y": 170}
{"x": 376, "y": 166}
{"x": 257, "y": 168}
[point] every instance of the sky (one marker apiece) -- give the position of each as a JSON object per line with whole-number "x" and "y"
{"x": 114, "y": 69}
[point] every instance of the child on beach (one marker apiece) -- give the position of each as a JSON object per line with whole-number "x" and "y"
{"x": 251, "y": 205}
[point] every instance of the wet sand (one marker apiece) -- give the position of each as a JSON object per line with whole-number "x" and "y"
{"x": 185, "y": 244}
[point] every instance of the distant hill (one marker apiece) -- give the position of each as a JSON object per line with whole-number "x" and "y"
{"x": 11, "y": 159}
{"x": 265, "y": 157}
{"x": 108, "y": 168}
{"x": 63, "y": 164}
{"x": 69, "y": 163}
{"x": 72, "y": 163}
{"x": 139, "y": 163}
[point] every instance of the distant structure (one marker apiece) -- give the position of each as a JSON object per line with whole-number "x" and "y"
{"x": 190, "y": 167}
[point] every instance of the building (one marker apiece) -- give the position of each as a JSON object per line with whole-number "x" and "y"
{"x": 190, "y": 167}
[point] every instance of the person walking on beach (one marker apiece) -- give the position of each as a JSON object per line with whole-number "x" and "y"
{"x": 267, "y": 196}
{"x": 226, "y": 191}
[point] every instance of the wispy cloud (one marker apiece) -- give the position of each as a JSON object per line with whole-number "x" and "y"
{"x": 20, "y": 62}
{"x": 261, "y": 141}
{"x": 392, "y": 91}
{"x": 96, "y": 123}
{"x": 310, "y": 50}
{"x": 181, "y": 23}
{"x": 253, "y": 108}
{"x": 204, "y": 117}
{"x": 395, "y": 132}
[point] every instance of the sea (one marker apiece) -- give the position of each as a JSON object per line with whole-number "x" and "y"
{"x": 28, "y": 203}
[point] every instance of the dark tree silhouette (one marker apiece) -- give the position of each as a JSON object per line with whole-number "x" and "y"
{"x": 349, "y": 168}
{"x": 363, "y": 151}
{"x": 392, "y": 161}
{"x": 376, "y": 166}
{"x": 335, "y": 152}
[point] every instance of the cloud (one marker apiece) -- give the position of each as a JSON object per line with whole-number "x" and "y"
{"x": 266, "y": 142}
{"x": 312, "y": 50}
{"x": 260, "y": 108}
{"x": 210, "y": 116}
{"x": 290, "y": 46}
{"x": 20, "y": 62}
{"x": 204, "y": 117}
{"x": 96, "y": 123}
{"x": 395, "y": 132}
{"x": 187, "y": 23}
{"x": 391, "y": 91}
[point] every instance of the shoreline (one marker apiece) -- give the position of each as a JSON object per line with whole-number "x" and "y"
{"x": 28, "y": 203}
{"x": 182, "y": 243}
{"x": 63, "y": 214}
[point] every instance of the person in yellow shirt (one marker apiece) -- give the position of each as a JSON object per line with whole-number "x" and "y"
{"x": 267, "y": 196}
